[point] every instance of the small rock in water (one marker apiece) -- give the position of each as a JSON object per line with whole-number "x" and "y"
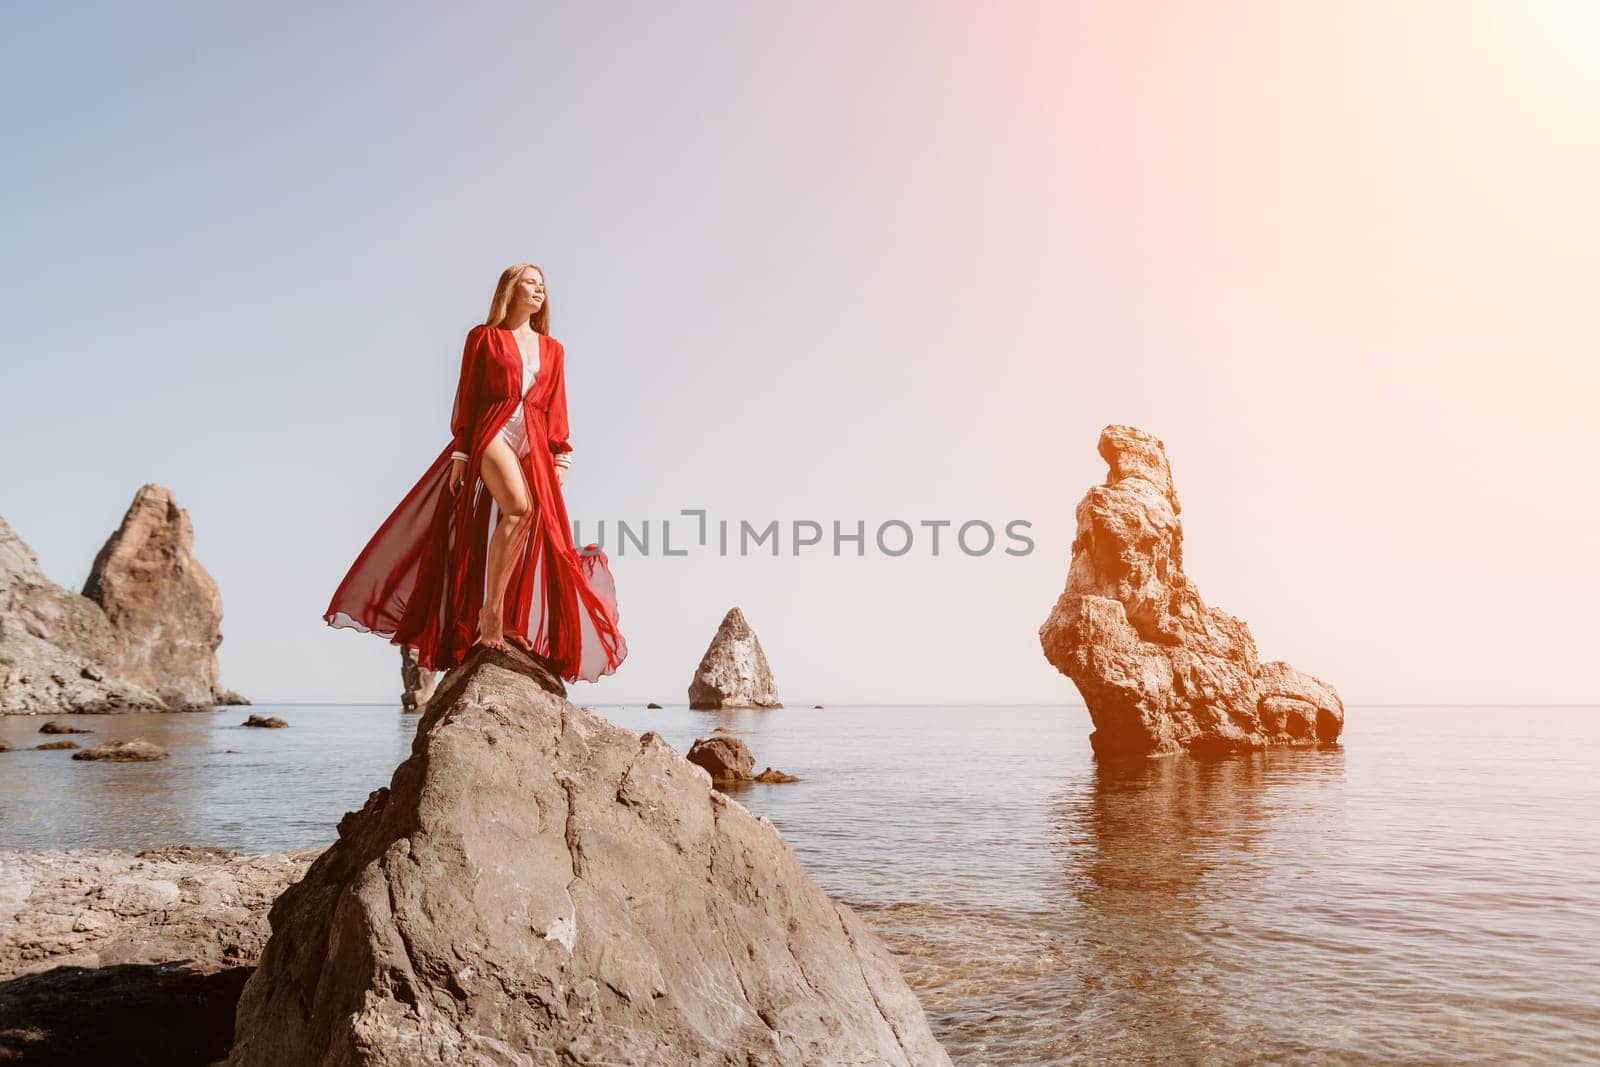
{"x": 770, "y": 775}
{"x": 726, "y": 759}
{"x": 54, "y": 727}
{"x": 4, "y": 747}
{"x": 123, "y": 751}
{"x": 56, "y": 744}
{"x": 653, "y": 704}
{"x": 269, "y": 722}
{"x": 816, "y": 705}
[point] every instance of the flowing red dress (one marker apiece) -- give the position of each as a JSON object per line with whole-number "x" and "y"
{"x": 420, "y": 581}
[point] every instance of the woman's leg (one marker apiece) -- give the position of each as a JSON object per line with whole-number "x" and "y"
{"x": 502, "y": 473}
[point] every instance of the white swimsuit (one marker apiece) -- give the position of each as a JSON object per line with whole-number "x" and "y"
{"x": 515, "y": 431}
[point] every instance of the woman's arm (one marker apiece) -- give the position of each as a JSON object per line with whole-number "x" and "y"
{"x": 463, "y": 410}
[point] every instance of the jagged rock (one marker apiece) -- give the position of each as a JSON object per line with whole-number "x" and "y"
{"x": 52, "y": 745}
{"x": 733, "y": 673}
{"x": 54, "y": 727}
{"x": 416, "y": 684}
{"x": 726, "y": 759}
{"x": 537, "y": 885}
{"x": 134, "y": 751}
{"x": 770, "y": 775}
{"x": 152, "y": 947}
{"x": 229, "y": 697}
{"x": 267, "y": 722}
{"x": 1160, "y": 671}
{"x": 56, "y": 647}
{"x": 165, "y": 610}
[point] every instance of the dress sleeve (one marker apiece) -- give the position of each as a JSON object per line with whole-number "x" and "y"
{"x": 462, "y": 411}
{"x": 557, "y": 418}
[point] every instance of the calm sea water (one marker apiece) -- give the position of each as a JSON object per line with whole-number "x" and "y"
{"x": 1427, "y": 893}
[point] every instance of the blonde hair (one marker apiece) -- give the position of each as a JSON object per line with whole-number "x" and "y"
{"x": 502, "y": 298}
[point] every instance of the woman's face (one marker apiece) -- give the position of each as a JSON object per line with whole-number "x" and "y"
{"x": 530, "y": 289}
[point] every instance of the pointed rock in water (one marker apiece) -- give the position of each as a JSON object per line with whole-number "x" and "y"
{"x": 733, "y": 673}
{"x": 56, "y": 647}
{"x": 725, "y": 759}
{"x": 165, "y": 610}
{"x": 1160, "y": 671}
{"x": 537, "y": 885}
{"x": 771, "y": 775}
{"x": 416, "y": 684}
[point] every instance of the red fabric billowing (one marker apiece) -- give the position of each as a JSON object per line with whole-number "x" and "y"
{"x": 420, "y": 579}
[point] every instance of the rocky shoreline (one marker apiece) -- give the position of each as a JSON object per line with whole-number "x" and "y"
{"x": 153, "y": 947}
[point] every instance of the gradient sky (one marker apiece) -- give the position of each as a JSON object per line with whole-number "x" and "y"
{"x": 837, "y": 261}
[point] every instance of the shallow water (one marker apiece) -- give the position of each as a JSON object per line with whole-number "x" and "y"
{"x": 1428, "y": 892}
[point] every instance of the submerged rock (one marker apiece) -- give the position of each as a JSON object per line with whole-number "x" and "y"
{"x": 266, "y": 722}
{"x": 134, "y": 751}
{"x": 51, "y": 745}
{"x": 54, "y": 727}
{"x": 733, "y": 673}
{"x": 165, "y": 610}
{"x": 725, "y": 759}
{"x": 1160, "y": 671}
{"x": 56, "y": 647}
{"x": 771, "y": 775}
{"x": 537, "y": 885}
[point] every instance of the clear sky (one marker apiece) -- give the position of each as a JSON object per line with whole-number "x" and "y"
{"x": 836, "y": 261}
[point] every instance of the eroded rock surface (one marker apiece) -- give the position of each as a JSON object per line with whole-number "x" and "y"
{"x": 1160, "y": 672}
{"x": 537, "y": 885}
{"x": 733, "y": 673}
{"x": 165, "y": 610}
{"x": 56, "y": 647}
{"x": 118, "y": 957}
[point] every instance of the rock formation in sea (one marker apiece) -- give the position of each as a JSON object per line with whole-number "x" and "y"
{"x": 55, "y": 646}
{"x": 733, "y": 673}
{"x": 1159, "y": 671}
{"x": 165, "y": 610}
{"x": 537, "y": 885}
{"x": 265, "y": 722}
{"x": 121, "y": 957}
{"x": 135, "y": 750}
{"x": 725, "y": 759}
{"x": 416, "y": 684}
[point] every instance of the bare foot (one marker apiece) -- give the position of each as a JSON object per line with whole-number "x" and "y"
{"x": 521, "y": 642}
{"x": 489, "y": 629}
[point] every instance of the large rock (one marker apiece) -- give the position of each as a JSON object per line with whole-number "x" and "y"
{"x": 165, "y": 610}
{"x": 538, "y": 885}
{"x": 733, "y": 673}
{"x": 56, "y": 647}
{"x": 117, "y": 957}
{"x": 1160, "y": 671}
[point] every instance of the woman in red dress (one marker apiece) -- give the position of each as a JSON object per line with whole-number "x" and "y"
{"x": 480, "y": 550}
